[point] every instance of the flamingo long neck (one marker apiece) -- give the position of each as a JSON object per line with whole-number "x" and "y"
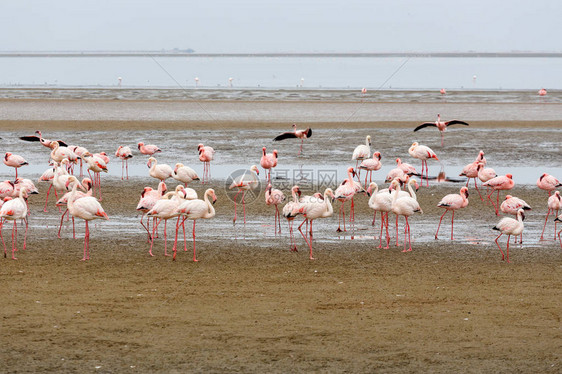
{"x": 397, "y": 190}
{"x": 350, "y": 177}
{"x": 367, "y": 142}
{"x": 295, "y": 197}
{"x": 411, "y": 190}
{"x": 374, "y": 195}
{"x": 210, "y": 209}
{"x": 72, "y": 196}
{"x": 329, "y": 208}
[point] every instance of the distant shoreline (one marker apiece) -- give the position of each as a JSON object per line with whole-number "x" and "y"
{"x": 297, "y": 54}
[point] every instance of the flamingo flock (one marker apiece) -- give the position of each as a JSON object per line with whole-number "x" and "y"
{"x": 183, "y": 202}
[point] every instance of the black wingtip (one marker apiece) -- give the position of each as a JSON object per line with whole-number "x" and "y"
{"x": 495, "y": 228}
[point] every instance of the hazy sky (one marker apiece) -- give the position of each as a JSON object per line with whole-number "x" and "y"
{"x": 282, "y": 25}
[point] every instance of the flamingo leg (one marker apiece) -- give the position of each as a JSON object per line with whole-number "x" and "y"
{"x": 1, "y": 237}
{"x": 305, "y": 239}
{"x": 555, "y": 224}
{"x": 292, "y": 236}
{"x": 407, "y": 230}
{"x": 559, "y": 239}
{"x": 14, "y": 240}
{"x": 235, "y": 204}
{"x": 397, "y": 230}
{"x": 174, "y": 248}
{"x": 507, "y": 250}
{"x": 47, "y": 199}
{"x": 154, "y": 226}
{"x": 452, "y": 224}
{"x": 145, "y": 227}
{"x": 442, "y": 138}
{"x": 476, "y": 186}
{"x": 545, "y": 221}
{"x": 61, "y": 219}
{"x": 194, "y": 253}
{"x": 438, "y": 226}
{"x": 503, "y": 256}
{"x": 86, "y": 240}
{"x": 165, "y": 239}
{"x": 244, "y": 207}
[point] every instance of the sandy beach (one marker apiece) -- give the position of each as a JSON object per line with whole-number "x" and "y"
{"x": 251, "y": 305}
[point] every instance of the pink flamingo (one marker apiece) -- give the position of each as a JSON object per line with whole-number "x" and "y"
{"x": 79, "y": 151}
{"x": 87, "y": 208}
{"x": 299, "y": 134}
{"x": 362, "y": 151}
{"x": 148, "y": 198}
{"x": 268, "y": 161}
{"x": 504, "y": 182}
{"x": 103, "y": 156}
{"x": 148, "y": 149}
{"x": 184, "y": 174}
{"x": 96, "y": 165}
{"x": 380, "y": 201}
{"x": 509, "y": 226}
{"x": 485, "y": 174}
{"x": 287, "y": 209}
{"x": 59, "y": 153}
{"x": 548, "y": 183}
{"x": 317, "y": 208}
{"x": 441, "y": 125}
{"x": 206, "y": 155}
{"x": 39, "y": 138}
{"x": 124, "y": 153}
{"x": 27, "y": 183}
{"x": 396, "y": 173}
{"x": 194, "y": 210}
{"x": 554, "y": 204}
{"x": 13, "y": 210}
{"x": 511, "y": 205}
{"x": 273, "y": 196}
{"x": 404, "y": 206}
{"x": 6, "y": 189}
{"x": 406, "y": 168}
{"x": 14, "y": 161}
{"x": 87, "y": 184}
{"x": 542, "y": 92}
{"x": 371, "y": 164}
{"x": 470, "y": 171}
{"x": 451, "y": 203}
{"x": 159, "y": 171}
{"x": 422, "y": 153}
{"x": 245, "y": 182}
{"x": 164, "y": 209}
{"x": 345, "y": 192}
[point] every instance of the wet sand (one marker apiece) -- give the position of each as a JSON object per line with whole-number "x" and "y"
{"x": 251, "y": 305}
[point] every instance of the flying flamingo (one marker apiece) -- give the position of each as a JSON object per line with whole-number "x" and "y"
{"x": 318, "y": 208}
{"x": 287, "y": 209}
{"x": 159, "y": 171}
{"x": 268, "y": 161}
{"x": 548, "y": 183}
{"x": 511, "y": 205}
{"x": 194, "y": 210}
{"x": 148, "y": 149}
{"x": 39, "y": 138}
{"x": 371, "y": 164}
{"x": 245, "y": 182}
{"x": 441, "y": 125}
{"x": 509, "y": 226}
{"x": 87, "y": 208}
{"x": 345, "y": 192}
{"x": 164, "y": 209}
{"x": 453, "y": 202}
{"x": 299, "y": 134}
{"x": 184, "y": 174}
{"x": 148, "y": 198}
{"x": 404, "y": 206}
{"x": 124, "y": 153}
{"x": 380, "y": 201}
{"x": 14, "y": 161}
{"x": 423, "y": 153}
{"x": 554, "y": 204}
{"x": 206, "y": 155}
{"x": 96, "y": 165}
{"x": 87, "y": 184}
{"x": 273, "y": 196}
{"x": 362, "y": 151}
{"x": 13, "y": 210}
{"x": 503, "y": 182}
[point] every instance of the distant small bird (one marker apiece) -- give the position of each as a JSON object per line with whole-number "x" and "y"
{"x": 509, "y": 226}
{"x": 441, "y": 125}
{"x": 300, "y": 134}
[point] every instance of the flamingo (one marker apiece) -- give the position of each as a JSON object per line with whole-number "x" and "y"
{"x": 503, "y": 182}
{"x": 268, "y": 161}
{"x": 273, "y": 196}
{"x": 79, "y": 151}
{"x": 59, "y": 180}
{"x": 423, "y": 153}
{"x": 164, "y": 209}
{"x": 14, "y": 161}
{"x": 441, "y": 125}
{"x": 299, "y": 134}
{"x": 148, "y": 198}
{"x": 453, "y": 202}
{"x": 6, "y": 189}
{"x": 124, "y": 153}
{"x": 59, "y": 153}
{"x": 245, "y": 182}
{"x": 159, "y": 171}
{"x": 548, "y": 183}
{"x": 371, "y": 164}
{"x": 184, "y": 174}
{"x": 87, "y": 208}
{"x": 39, "y": 138}
{"x": 509, "y": 226}
{"x": 511, "y": 205}
{"x": 404, "y": 206}
{"x": 148, "y": 149}
{"x": 206, "y": 155}
{"x": 13, "y": 210}
{"x": 103, "y": 156}
{"x": 362, "y": 151}
{"x": 542, "y": 92}
{"x": 396, "y": 173}
{"x": 97, "y": 165}
{"x": 380, "y": 202}
{"x": 287, "y": 209}
{"x": 470, "y": 171}
{"x": 87, "y": 184}
{"x": 319, "y": 208}
{"x": 554, "y": 204}
{"x": 194, "y": 210}
{"x": 27, "y": 183}
{"x": 485, "y": 174}
{"x": 345, "y": 192}
{"x": 406, "y": 168}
